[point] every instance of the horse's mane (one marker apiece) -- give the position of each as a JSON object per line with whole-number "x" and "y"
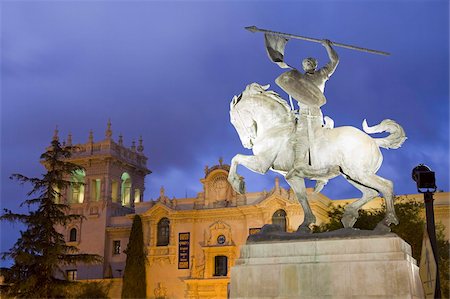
{"x": 257, "y": 89}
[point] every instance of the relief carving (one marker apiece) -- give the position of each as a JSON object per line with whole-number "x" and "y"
{"x": 198, "y": 267}
{"x": 160, "y": 291}
{"x": 219, "y": 228}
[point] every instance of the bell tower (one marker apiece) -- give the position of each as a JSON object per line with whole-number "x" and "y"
{"x": 112, "y": 181}
{"x": 113, "y": 173}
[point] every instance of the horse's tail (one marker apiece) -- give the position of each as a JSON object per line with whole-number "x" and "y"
{"x": 394, "y": 140}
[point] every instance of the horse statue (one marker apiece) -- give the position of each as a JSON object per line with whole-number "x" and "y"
{"x": 267, "y": 125}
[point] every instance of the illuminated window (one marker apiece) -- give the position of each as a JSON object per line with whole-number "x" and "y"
{"x": 71, "y": 274}
{"x": 115, "y": 191}
{"x": 126, "y": 189}
{"x": 57, "y": 194}
{"x": 77, "y": 187}
{"x": 279, "y": 218}
{"x": 95, "y": 189}
{"x": 73, "y": 235}
{"x": 163, "y": 232}
{"x": 137, "y": 195}
{"x": 220, "y": 265}
{"x": 116, "y": 247}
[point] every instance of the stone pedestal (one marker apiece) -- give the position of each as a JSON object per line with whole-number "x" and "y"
{"x": 352, "y": 267}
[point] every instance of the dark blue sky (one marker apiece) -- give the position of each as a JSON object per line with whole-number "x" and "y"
{"x": 167, "y": 70}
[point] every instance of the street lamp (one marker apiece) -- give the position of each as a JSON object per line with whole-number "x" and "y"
{"x": 426, "y": 184}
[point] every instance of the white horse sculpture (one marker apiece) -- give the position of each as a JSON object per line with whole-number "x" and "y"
{"x": 266, "y": 124}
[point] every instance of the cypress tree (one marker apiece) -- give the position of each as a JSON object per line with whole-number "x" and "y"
{"x": 41, "y": 250}
{"x": 134, "y": 277}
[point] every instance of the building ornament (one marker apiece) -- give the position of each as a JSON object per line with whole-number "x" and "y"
{"x": 160, "y": 291}
{"x": 161, "y": 254}
{"x": 198, "y": 267}
{"x": 219, "y": 228}
{"x": 108, "y": 133}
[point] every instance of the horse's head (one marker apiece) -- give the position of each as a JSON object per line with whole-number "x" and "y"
{"x": 249, "y": 112}
{"x": 243, "y": 122}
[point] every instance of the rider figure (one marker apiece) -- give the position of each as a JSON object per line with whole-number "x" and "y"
{"x": 308, "y": 90}
{"x": 318, "y": 78}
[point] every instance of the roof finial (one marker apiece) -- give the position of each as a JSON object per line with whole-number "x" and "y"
{"x": 55, "y": 134}
{"x": 161, "y": 192}
{"x": 277, "y": 183}
{"x": 120, "y": 140}
{"x": 108, "y": 133}
{"x": 133, "y": 145}
{"x": 140, "y": 147}
{"x": 91, "y": 136}
{"x": 69, "y": 139}
{"x": 220, "y": 161}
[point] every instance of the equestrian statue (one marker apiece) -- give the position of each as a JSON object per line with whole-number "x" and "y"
{"x": 305, "y": 145}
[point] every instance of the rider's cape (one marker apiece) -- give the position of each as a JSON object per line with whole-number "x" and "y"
{"x": 297, "y": 86}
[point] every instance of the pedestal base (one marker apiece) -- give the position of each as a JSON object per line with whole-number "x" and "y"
{"x": 356, "y": 267}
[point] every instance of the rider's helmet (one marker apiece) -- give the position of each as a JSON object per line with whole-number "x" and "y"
{"x": 309, "y": 64}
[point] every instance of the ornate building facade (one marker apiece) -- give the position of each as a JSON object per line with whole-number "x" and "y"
{"x": 191, "y": 243}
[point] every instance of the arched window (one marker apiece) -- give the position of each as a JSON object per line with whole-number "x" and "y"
{"x": 220, "y": 265}
{"x": 73, "y": 235}
{"x": 163, "y": 232}
{"x": 126, "y": 189}
{"x": 95, "y": 187}
{"x": 77, "y": 187}
{"x": 115, "y": 191}
{"x": 279, "y": 218}
{"x": 137, "y": 195}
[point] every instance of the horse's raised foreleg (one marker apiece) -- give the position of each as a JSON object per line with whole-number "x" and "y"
{"x": 298, "y": 185}
{"x": 258, "y": 164}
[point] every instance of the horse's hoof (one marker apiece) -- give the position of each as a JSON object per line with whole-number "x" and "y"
{"x": 237, "y": 185}
{"x": 348, "y": 221}
{"x": 382, "y": 228}
{"x": 241, "y": 187}
{"x": 304, "y": 229}
{"x": 390, "y": 219}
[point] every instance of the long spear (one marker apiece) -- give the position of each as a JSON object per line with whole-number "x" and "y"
{"x": 256, "y": 29}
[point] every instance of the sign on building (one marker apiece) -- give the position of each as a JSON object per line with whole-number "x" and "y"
{"x": 183, "y": 250}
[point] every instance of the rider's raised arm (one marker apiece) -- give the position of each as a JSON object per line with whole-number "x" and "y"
{"x": 330, "y": 67}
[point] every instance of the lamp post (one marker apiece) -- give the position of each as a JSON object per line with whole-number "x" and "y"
{"x": 426, "y": 184}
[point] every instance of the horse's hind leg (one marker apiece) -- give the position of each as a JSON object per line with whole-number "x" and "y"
{"x": 351, "y": 210}
{"x": 298, "y": 185}
{"x": 387, "y": 188}
{"x": 384, "y": 186}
